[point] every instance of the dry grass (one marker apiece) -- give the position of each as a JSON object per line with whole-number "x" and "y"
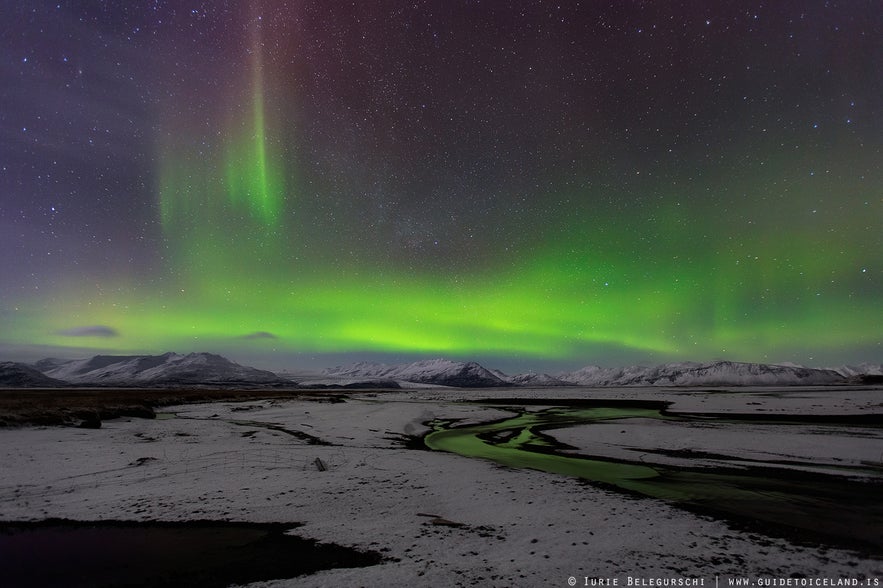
{"x": 72, "y": 406}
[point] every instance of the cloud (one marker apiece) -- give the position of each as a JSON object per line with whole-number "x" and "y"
{"x": 91, "y": 331}
{"x": 259, "y": 335}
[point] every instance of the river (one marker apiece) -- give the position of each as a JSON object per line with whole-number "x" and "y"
{"x": 802, "y": 505}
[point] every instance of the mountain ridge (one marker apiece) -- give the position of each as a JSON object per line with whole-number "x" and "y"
{"x": 440, "y": 372}
{"x": 717, "y": 373}
{"x": 171, "y": 369}
{"x": 21, "y": 375}
{"x": 168, "y": 369}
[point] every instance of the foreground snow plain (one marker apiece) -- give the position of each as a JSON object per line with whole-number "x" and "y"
{"x": 441, "y": 519}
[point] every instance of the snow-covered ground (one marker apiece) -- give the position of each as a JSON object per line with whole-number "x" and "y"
{"x": 441, "y": 519}
{"x": 816, "y": 448}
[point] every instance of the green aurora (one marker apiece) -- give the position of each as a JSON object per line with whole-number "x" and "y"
{"x": 573, "y": 294}
{"x": 237, "y": 272}
{"x": 761, "y": 259}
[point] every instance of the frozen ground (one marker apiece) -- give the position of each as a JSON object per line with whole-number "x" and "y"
{"x": 441, "y": 519}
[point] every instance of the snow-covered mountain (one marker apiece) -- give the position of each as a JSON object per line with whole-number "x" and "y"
{"x": 172, "y": 369}
{"x": 530, "y": 379}
{"x": 862, "y": 369}
{"x": 44, "y": 365}
{"x": 434, "y": 371}
{"x": 719, "y": 373}
{"x": 163, "y": 370}
{"x": 20, "y": 375}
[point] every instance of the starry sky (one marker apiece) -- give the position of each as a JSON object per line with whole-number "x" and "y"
{"x": 530, "y": 184}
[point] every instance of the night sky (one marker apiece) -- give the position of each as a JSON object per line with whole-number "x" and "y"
{"x": 533, "y": 185}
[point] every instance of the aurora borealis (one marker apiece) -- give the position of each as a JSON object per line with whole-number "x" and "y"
{"x": 535, "y": 184}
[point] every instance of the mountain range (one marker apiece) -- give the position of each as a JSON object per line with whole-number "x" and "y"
{"x": 440, "y": 372}
{"x": 719, "y": 373}
{"x": 20, "y": 375}
{"x": 207, "y": 369}
{"x": 168, "y": 369}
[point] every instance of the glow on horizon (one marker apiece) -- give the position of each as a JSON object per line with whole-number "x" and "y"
{"x": 534, "y": 313}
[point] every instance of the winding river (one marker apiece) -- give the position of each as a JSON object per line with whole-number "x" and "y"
{"x": 802, "y": 505}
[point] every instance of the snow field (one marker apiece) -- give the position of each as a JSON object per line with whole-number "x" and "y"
{"x": 495, "y": 526}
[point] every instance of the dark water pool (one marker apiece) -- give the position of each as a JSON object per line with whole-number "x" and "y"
{"x": 197, "y": 554}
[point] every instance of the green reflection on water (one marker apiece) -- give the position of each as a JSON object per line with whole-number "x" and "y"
{"x": 519, "y": 445}
{"x": 833, "y": 507}
{"x": 519, "y": 442}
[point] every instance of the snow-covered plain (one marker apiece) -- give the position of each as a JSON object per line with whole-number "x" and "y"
{"x": 441, "y": 519}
